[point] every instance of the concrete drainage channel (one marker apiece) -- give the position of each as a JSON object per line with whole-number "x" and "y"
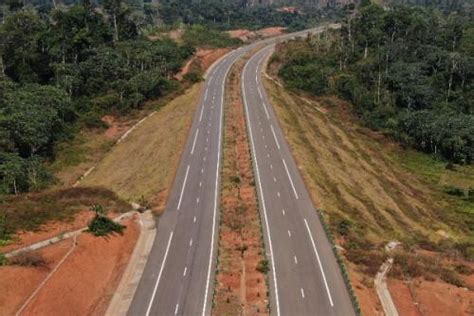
{"x": 381, "y": 284}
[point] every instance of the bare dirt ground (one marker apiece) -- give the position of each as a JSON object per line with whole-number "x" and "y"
{"x": 240, "y": 288}
{"x": 415, "y": 298}
{"x": 82, "y": 285}
{"x": 353, "y": 176}
{"x": 247, "y": 35}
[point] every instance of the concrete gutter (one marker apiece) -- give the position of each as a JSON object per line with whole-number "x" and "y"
{"x": 380, "y": 282}
{"x": 124, "y": 293}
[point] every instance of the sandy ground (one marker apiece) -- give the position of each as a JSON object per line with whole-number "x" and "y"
{"x": 240, "y": 288}
{"x": 247, "y": 35}
{"x": 83, "y": 284}
{"x": 417, "y": 297}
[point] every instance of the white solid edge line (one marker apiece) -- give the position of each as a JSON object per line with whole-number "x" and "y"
{"x": 291, "y": 180}
{"x": 274, "y": 136}
{"x": 182, "y": 188}
{"x": 159, "y": 275}
{"x": 194, "y": 142}
{"x": 211, "y": 251}
{"x": 254, "y": 156}
{"x": 319, "y": 262}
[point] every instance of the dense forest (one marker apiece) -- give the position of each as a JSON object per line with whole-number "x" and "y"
{"x": 407, "y": 71}
{"x": 63, "y": 70}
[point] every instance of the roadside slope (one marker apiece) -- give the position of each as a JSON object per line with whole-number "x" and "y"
{"x": 144, "y": 163}
{"x": 368, "y": 197}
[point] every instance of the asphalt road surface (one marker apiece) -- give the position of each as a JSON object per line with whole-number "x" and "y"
{"x": 179, "y": 275}
{"x": 305, "y": 278}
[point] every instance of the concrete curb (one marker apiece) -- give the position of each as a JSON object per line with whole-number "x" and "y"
{"x": 125, "y": 291}
{"x": 52, "y": 241}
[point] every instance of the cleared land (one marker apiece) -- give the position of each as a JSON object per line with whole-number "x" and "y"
{"x": 241, "y": 283}
{"x": 372, "y": 191}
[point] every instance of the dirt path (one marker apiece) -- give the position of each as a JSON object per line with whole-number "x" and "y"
{"x": 240, "y": 288}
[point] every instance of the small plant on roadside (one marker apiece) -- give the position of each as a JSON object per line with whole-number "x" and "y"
{"x": 263, "y": 266}
{"x": 28, "y": 259}
{"x": 4, "y": 230}
{"x": 144, "y": 203}
{"x": 235, "y": 179}
{"x": 101, "y": 225}
{"x": 3, "y": 259}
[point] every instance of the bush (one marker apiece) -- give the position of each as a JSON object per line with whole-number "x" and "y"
{"x": 192, "y": 76}
{"x": 104, "y": 226}
{"x": 263, "y": 266}
{"x": 28, "y": 259}
{"x": 454, "y": 191}
{"x": 5, "y": 233}
{"x": 3, "y": 259}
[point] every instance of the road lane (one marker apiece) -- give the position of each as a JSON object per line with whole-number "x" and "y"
{"x": 306, "y": 279}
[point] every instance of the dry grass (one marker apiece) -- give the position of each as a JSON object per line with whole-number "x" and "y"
{"x": 29, "y": 211}
{"x": 144, "y": 163}
{"x": 351, "y": 174}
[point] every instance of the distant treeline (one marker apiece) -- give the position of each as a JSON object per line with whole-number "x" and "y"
{"x": 218, "y": 14}
{"x": 407, "y": 71}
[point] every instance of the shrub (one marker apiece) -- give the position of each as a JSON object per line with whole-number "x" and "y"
{"x": 263, "y": 266}
{"x": 454, "y": 191}
{"x": 101, "y": 225}
{"x": 4, "y": 230}
{"x": 3, "y": 259}
{"x": 28, "y": 259}
{"x": 192, "y": 76}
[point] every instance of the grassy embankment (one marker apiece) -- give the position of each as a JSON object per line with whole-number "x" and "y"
{"x": 145, "y": 162}
{"x": 372, "y": 191}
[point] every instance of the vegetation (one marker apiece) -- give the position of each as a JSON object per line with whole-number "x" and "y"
{"x": 101, "y": 225}
{"x": 66, "y": 69}
{"x": 28, "y": 259}
{"x": 199, "y": 35}
{"x": 374, "y": 192}
{"x": 30, "y": 211}
{"x": 407, "y": 71}
{"x": 263, "y": 266}
{"x": 232, "y": 15}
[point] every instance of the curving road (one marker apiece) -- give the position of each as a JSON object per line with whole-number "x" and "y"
{"x": 179, "y": 275}
{"x": 305, "y": 278}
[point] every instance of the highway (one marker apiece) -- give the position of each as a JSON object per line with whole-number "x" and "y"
{"x": 304, "y": 278}
{"x": 179, "y": 275}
